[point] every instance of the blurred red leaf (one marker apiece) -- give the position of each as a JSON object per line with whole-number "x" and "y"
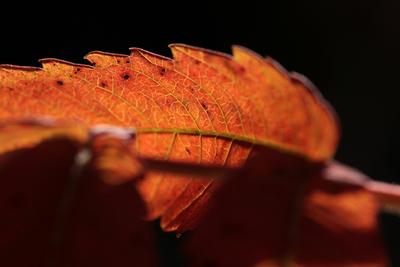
{"x": 58, "y": 211}
{"x": 284, "y": 211}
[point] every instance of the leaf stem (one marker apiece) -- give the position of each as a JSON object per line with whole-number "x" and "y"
{"x": 387, "y": 194}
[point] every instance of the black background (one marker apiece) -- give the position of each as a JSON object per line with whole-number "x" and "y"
{"x": 349, "y": 49}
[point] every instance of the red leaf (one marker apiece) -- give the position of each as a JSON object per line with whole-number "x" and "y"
{"x": 284, "y": 211}
{"x": 57, "y": 211}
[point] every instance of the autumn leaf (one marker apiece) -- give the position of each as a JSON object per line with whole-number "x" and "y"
{"x": 306, "y": 215}
{"x": 200, "y": 107}
{"x": 63, "y": 201}
{"x": 237, "y": 132}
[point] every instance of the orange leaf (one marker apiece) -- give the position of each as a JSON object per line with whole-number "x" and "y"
{"x": 28, "y": 133}
{"x": 272, "y": 215}
{"x": 200, "y": 107}
{"x": 57, "y": 211}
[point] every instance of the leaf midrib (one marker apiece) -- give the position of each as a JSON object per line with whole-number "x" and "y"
{"x": 226, "y": 135}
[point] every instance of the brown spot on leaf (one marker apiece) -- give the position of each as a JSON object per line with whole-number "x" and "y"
{"x": 241, "y": 70}
{"x": 188, "y": 150}
{"x": 78, "y": 69}
{"x": 125, "y": 76}
{"x": 162, "y": 71}
{"x": 60, "y": 82}
{"x": 204, "y": 105}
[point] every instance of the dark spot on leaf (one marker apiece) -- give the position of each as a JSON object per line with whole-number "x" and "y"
{"x": 188, "y": 150}
{"x": 197, "y": 62}
{"x": 59, "y": 82}
{"x": 204, "y": 105}
{"x": 77, "y": 70}
{"x": 125, "y": 76}
{"x": 103, "y": 84}
{"x": 10, "y": 89}
{"x": 118, "y": 61}
{"x": 127, "y": 61}
{"x": 162, "y": 71}
{"x": 241, "y": 70}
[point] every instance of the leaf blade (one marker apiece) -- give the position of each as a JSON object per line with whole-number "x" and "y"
{"x": 203, "y": 99}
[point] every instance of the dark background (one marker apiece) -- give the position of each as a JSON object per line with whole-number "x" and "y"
{"x": 349, "y": 49}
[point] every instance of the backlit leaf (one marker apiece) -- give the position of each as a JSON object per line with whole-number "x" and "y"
{"x": 199, "y": 107}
